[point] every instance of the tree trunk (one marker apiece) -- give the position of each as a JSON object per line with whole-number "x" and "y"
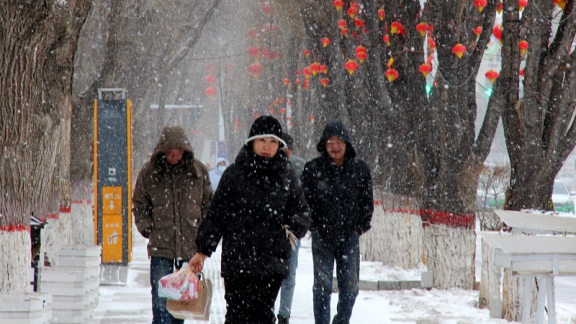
{"x": 37, "y": 47}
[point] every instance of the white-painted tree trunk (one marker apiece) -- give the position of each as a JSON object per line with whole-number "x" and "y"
{"x": 490, "y": 277}
{"x": 66, "y": 229}
{"x": 450, "y": 254}
{"x": 51, "y": 241}
{"x": 395, "y": 239}
{"x": 513, "y": 295}
{"x": 15, "y": 260}
{"x": 82, "y": 222}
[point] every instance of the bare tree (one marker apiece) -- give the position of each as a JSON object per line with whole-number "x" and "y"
{"x": 37, "y": 44}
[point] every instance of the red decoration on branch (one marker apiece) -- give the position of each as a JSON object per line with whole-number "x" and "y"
{"x": 392, "y": 75}
{"x": 397, "y": 28}
{"x": 425, "y": 69}
{"x": 254, "y": 51}
{"x": 491, "y": 75}
{"x": 522, "y": 4}
{"x": 338, "y": 4}
{"x": 497, "y": 31}
{"x": 255, "y": 69}
{"x": 353, "y": 10}
{"x": 325, "y": 41}
{"x": 523, "y": 47}
{"x": 381, "y": 14}
{"x": 210, "y": 78}
{"x": 422, "y": 28}
{"x": 351, "y": 66}
{"x": 459, "y": 50}
{"x": 324, "y": 82}
{"x": 477, "y": 31}
{"x": 480, "y": 4}
{"x": 211, "y": 91}
{"x": 386, "y": 39}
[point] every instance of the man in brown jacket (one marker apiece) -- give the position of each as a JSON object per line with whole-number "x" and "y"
{"x": 172, "y": 194}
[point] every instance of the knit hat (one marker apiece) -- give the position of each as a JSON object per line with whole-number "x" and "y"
{"x": 289, "y": 140}
{"x": 266, "y": 126}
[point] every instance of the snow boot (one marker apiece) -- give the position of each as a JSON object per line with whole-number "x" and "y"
{"x": 283, "y": 320}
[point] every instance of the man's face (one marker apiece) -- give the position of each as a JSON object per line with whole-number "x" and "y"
{"x": 336, "y": 148}
{"x": 174, "y": 156}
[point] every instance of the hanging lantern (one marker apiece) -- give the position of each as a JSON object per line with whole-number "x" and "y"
{"x": 397, "y": 28}
{"x": 421, "y": 28}
{"x": 210, "y": 78}
{"x": 425, "y": 69}
{"x": 351, "y": 66}
{"x": 499, "y": 7}
{"x": 522, "y": 73}
{"x": 311, "y": 118}
{"x": 523, "y": 47}
{"x": 286, "y": 81}
{"x": 497, "y": 31}
{"x": 275, "y": 102}
{"x": 477, "y": 31}
{"x": 361, "y": 54}
{"x": 307, "y": 72}
{"x": 324, "y": 82}
{"x": 431, "y": 45}
{"x": 386, "y": 39}
{"x": 253, "y": 33}
{"x": 491, "y": 75}
{"x": 480, "y": 4}
{"x": 281, "y": 100}
{"x": 459, "y": 50}
{"x": 271, "y": 110}
{"x": 359, "y": 22}
{"x": 381, "y": 14}
{"x": 324, "y": 69}
{"x": 338, "y": 4}
{"x": 522, "y": 4}
{"x": 306, "y": 84}
{"x": 254, "y": 51}
{"x": 266, "y": 8}
{"x": 430, "y": 58}
{"x": 282, "y": 111}
{"x": 325, "y": 41}
{"x": 345, "y": 32}
{"x": 560, "y": 3}
{"x": 297, "y": 82}
{"x": 392, "y": 74}
{"x": 255, "y": 69}
{"x": 276, "y": 55}
{"x": 211, "y": 91}
{"x": 306, "y": 53}
{"x": 265, "y": 53}
{"x": 315, "y": 68}
{"x": 342, "y": 24}
{"x": 353, "y": 10}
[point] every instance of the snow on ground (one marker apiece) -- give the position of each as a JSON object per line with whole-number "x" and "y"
{"x": 131, "y": 303}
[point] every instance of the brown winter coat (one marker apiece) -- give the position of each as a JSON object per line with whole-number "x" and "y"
{"x": 170, "y": 200}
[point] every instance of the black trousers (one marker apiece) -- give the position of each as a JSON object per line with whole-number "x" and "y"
{"x": 250, "y": 299}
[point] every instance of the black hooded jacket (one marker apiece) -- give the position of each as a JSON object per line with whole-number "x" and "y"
{"x": 256, "y": 197}
{"x": 340, "y": 198}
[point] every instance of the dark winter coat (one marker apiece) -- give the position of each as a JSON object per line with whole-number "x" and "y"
{"x": 340, "y": 198}
{"x": 170, "y": 200}
{"x": 256, "y": 197}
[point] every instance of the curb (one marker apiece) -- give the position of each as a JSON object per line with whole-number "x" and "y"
{"x": 382, "y": 285}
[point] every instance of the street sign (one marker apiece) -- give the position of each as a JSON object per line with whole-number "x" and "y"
{"x": 113, "y": 176}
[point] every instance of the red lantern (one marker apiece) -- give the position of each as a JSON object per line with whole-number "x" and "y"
{"x": 480, "y": 4}
{"x": 211, "y": 78}
{"x": 381, "y": 14}
{"x": 397, "y": 28}
{"x": 307, "y": 72}
{"x": 265, "y": 53}
{"x": 306, "y": 84}
{"x": 392, "y": 74}
{"x": 338, "y": 4}
{"x": 497, "y": 31}
{"x": 253, "y": 33}
{"x": 459, "y": 50}
{"x": 282, "y": 110}
{"x": 211, "y": 91}
{"x": 522, "y": 4}
{"x": 342, "y": 24}
{"x": 431, "y": 45}
{"x": 306, "y": 53}
{"x": 325, "y": 41}
{"x": 499, "y": 7}
{"x": 286, "y": 81}
{"x": 315, "y": 68}
{"x": 425, "y": 69}
{"x": 560, "y": 3}
{"x": 477, "y": 31}
{"x": 297, "y": 82}
{"x": 386, "y": 39}
{"x": 345, "y": 32}
{"x": 523, "y": 47}
{"x": 324, "y": 82}
{"x": 522, "y": 73}
{"x": 266, "y": 7}
{"x": 324, "y": 69}
{"x": 353, "y": 10}
{"x": 351, "y": 66}
{"x": 255, "y": 69}
{"x": 361, "y": 54}
{"x": 254, "y": 51}
{"x": 491, "y": 75}
{"x": 359, "y": 22}
{"x": 421, "y": 28}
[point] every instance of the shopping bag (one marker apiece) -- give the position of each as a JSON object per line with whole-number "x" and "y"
{"x": 196, "y": 309}
{"x": 180, "y": 285}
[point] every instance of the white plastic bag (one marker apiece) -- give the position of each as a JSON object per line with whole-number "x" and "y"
{"x": 180, "y": 285}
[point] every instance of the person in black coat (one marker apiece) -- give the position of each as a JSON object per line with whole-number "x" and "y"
{"x": 257, "y": 210}
{"x": 338, "y": 188}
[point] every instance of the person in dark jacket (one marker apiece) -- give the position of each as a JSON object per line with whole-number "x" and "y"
{"x": 258, "y": 210}
{"x": 338, "y": 189}
{"x": 171, "y": 195}
{"x": 288, "y": 285}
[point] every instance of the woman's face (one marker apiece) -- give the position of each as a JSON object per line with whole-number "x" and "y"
{"x": 266, "y": 146}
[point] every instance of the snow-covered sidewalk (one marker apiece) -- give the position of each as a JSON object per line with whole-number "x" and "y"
{"x": 131, "y": 303}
